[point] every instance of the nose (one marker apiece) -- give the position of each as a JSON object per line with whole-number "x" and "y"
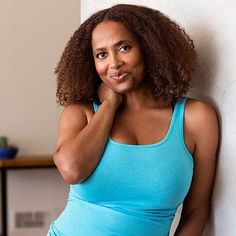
{"x": 115, "y": 62}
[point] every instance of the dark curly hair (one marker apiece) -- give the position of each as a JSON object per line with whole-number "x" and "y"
{"x": 170, "y": 57}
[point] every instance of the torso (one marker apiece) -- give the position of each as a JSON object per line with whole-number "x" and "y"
{"x": 146, "y": 127}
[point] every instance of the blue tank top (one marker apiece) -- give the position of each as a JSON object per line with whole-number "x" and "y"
{"x": 135, "y": 190}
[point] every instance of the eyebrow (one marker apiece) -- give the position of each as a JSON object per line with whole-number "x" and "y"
{"x": 116, "y": 44}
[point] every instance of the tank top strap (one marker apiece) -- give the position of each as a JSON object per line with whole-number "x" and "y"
{"x": 177, "y": 135}
{"x": 95, "y": 106}
{"x": 180, "y": 116}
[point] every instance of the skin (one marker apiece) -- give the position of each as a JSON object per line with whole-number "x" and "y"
{"x": 129, "y": 114}
{"x": 116, "y": 49}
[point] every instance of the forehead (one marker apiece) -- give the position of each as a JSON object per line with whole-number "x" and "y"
{"x": 110, "y": 32}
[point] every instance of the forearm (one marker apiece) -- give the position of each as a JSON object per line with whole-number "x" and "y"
{"x": 192, "y": 224}
{"x": 79, "y": 156}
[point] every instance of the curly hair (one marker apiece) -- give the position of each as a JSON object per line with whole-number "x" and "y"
{"x": 169, "y": 54}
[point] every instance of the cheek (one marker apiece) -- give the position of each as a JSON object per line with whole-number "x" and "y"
{"x": 102, "y": 72}
{"x": 101, "y": 69}
{"x": 139, "y": 68}
{"x": 137, "y": 62}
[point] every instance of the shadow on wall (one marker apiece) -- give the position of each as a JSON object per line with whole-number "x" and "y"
{"x": 205, "y": 87}
{"x": 205, "y": 79}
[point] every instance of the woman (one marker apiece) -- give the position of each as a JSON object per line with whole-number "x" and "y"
{"x": 130, "y": 144}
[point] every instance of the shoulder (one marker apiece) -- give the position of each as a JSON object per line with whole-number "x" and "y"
{"x": 73, "y": 120}
{"x": 199, "y": 113}
{"x": 77, "y": 111}
{"x": 202, "y": 122}
{"x": 78, "y": 107}
{"x": 199, "y": 108}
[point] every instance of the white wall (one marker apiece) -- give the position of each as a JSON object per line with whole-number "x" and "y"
{"x": 33, "y": 34}
{"x": 212, "y": 25}
{"x": 35, "y": 191}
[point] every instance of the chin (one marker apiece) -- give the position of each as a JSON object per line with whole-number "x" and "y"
{"x": 122, "y": 90}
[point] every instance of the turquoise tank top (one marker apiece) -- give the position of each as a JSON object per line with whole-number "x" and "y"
{"x": 135, "y": 190}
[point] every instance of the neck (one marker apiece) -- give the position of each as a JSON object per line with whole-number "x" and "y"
{"x": 139, "y": 98}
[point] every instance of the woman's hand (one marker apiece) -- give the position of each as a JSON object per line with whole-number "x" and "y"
{"x": 106, "y": 93}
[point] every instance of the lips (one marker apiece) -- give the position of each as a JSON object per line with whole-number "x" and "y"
{"x": 119, "y": 76}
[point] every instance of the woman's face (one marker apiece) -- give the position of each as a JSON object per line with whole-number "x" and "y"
{"x": 118, "y": 57}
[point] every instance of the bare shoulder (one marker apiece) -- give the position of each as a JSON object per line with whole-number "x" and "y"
{"x": 76, "y": 111}
{"x": 202, "y": 122}
{"x": 200, "y": 114}
{"x": 75, "y": 108}
{"x": 73, "y": 120}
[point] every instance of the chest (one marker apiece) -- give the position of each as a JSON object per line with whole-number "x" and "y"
{"x": 146, "y": 127}
{"x": 141, "y": 128}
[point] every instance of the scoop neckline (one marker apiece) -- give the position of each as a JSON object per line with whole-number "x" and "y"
{"x": 167, "y": 135}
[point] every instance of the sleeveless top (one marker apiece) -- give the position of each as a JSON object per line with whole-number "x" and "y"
{"x": 135, "y": 190}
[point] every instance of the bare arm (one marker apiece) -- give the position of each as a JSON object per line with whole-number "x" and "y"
{"x": 81, "y": 144}
{"x": 196, "y": 206}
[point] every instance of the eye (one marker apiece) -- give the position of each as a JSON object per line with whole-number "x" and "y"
{"x": 100, "y": 55}
{"x": 124, "y": 47}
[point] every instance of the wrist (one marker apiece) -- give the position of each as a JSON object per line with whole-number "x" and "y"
{"x": 111, "y": 104}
